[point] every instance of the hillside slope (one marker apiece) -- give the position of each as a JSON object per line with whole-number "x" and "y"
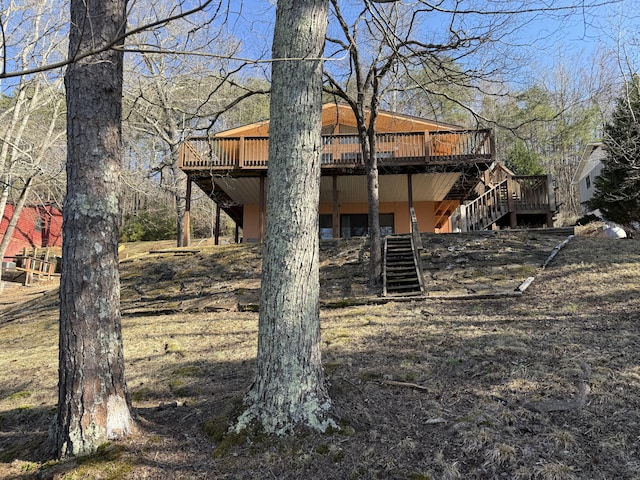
{"x": 545, "y": 385}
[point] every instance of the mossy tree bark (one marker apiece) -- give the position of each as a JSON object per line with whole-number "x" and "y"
{"x": 288, "y": 392}
{"x": 93, "y": 404}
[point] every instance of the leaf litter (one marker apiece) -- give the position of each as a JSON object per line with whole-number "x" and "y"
{"x": 544, "y": 385}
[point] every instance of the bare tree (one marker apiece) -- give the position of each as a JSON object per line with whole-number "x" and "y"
{"x": 378, "y": 42}
{"x": 31, "y": 114}
{"x": 179, "y": 80}
{"x": 93, "y": 403}
{"x": 431, "y": 51}
{"x": 552, "y": 120}
{"x": 33, "y": 173}
{"x": 288, "y": 392}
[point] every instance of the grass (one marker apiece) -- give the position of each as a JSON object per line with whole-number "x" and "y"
{"x": 479, "y": 363}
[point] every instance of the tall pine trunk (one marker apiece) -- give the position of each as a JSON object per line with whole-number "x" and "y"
{"x": 93, "y": 404}
{"x": 289, "y": 392}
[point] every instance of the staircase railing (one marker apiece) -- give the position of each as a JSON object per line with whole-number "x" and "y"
{"x": 518, "y": 194}
{"x": 384, "y": 267}
{"x": 486, "y": 209}
{"x": 416, "y": 246}
{"x": 532, "y": 192}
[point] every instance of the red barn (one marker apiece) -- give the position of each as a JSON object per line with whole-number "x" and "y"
{"x": 38, "y": 226}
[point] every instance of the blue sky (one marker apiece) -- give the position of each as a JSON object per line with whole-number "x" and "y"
{"x": 578, "y": 36}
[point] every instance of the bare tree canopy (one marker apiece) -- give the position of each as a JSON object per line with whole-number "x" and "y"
{"x": 180, "y": 10}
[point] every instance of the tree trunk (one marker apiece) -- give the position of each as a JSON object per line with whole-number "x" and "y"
{"x": 367, "y": 138}
{"x": 4, "y": 197}
{"x": 93, "y": 404}
{"x": 373, "y": 197}
{"x": 288, "y": 392}
{"x": 375, "y": 261}
{"x": 180, "y": 197}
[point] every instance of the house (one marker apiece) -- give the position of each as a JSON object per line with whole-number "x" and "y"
{"x": 38, "y": 226}
{"x": 430, "y": 166}
{"x": 589, "y": 167}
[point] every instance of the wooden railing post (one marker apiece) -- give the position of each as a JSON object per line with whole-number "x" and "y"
{"x": 181, "y": 154}
{"x": 415, "y": 230}
{"x": 427, "y": 146}
{"x": 416, "y": 241}
{"x": 513, "y": 219}
{"x": 241, "y": 153}
{"x": 492, "y": 144}
{"x": 463, "y": 218}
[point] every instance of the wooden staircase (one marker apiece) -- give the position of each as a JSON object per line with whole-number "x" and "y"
{"x": 485, "y": 210}
{"x": 402, "y": 275}
{"x": 518, "y": 197}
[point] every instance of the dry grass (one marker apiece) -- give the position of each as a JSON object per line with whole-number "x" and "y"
{"x": 498, "y": 377}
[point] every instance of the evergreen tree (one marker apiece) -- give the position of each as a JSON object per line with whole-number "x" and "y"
{"x": 523, "y": 161}
{"x": 617, "y": 188}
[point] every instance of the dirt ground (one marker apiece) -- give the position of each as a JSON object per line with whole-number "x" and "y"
{"x": 474, "y": 381}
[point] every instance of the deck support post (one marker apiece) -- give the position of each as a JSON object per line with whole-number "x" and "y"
{"x": 261, "y": 212}
{"x": 335, "y": 216}
{"x": 464, "y": 227}
{"x": 186, "y": 233}
{"x": 216, "y": 233}
{"x": 410, "y": 194}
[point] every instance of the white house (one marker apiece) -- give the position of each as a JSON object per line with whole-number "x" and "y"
{"x": 589, "y": 167}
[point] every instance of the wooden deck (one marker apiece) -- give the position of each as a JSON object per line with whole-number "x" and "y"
{"x": 515, "y": 196}
{"x": 450, "y": 147}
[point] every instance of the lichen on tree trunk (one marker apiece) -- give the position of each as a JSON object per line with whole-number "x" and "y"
{"x": 288, "y": 392}
{"x": 93, "y": 404}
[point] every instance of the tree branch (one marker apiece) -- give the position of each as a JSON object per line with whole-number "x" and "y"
{"x": 107, "y": 46}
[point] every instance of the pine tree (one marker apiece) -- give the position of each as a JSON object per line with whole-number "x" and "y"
{"x": 523, "y": 161}
{"x": 289, "y": 392}
{"x": 93, "y": 401}
{"x": 617, "y": 188}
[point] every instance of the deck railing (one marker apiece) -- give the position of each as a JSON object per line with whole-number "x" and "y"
{"x": 532, "y": 193}
{"x": 344, "y": 150}
{"x": 520, "y": 194}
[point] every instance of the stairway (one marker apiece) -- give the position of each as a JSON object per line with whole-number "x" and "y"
{"x": 485, "y": 210}
{"x": 402, "y": 275}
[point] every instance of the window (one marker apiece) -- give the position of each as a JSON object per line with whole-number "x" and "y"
{"x": 357, "y": 224}
{"x": 354, "y": 225}
{"x": 386, "y": 224}
{"x": 39, "y": 224}
{"x": 588, "y": 181}
{"x": 326, "y": 226}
